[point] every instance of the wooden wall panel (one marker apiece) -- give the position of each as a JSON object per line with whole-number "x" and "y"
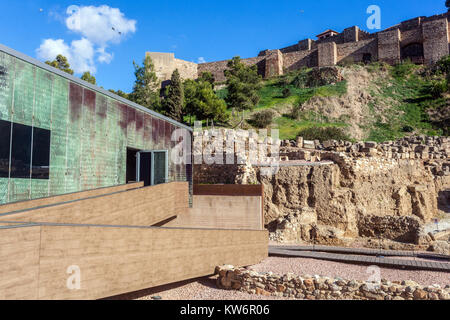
{"x": 113, "y": 261}
{"x": 19, "y": 263}
{"x": 223, "y": 212}
{"x": 67, "y": 197}
{"x": 139, "y": 207}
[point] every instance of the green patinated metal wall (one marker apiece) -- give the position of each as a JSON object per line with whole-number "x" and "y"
{"x": 90, "y": 132}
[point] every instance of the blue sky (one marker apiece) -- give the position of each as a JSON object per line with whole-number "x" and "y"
{"x": 193, "y": 30}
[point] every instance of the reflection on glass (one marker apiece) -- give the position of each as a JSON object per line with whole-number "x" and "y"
{"x": 160, "y": 168}
{"x": 21, "y": 151}
{"x": 41, "y": 154}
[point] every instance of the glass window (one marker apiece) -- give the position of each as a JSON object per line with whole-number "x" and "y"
{"x": 41, "y": 154}
{"x": 5, "y": 134}
{"x": 160, "y": 167}
{"x": 21, "y": 151}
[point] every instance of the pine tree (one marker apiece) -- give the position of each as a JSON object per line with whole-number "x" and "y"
{"x": 89, "y": 78}
{"x": 174, "y": 102}
{"x": 203, "y": 103}
{"x": 60, "y": 63}
{"x": 243, "y": 83}
{"x": 147, "y": 86}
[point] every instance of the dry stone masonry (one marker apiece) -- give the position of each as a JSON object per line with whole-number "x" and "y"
{"x": 342, "y": 193}
{"x": 323, "y": 288}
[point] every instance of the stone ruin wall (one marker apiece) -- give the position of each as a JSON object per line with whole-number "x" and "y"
{"x": 166, "y": 63}
{"x": 344, "y": 192}
{"x": 323, "y": 288}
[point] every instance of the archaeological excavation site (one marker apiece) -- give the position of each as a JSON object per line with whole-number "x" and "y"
{"x": 318, "y": 171}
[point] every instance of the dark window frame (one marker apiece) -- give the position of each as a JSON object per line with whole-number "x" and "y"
{"x": 27, "y": 150}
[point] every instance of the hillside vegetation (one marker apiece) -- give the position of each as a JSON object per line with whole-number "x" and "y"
{"x": 374, "y": 102}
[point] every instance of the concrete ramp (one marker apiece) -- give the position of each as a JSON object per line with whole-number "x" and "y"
{"x": 136, "y": 207}
{"x": 30, "y": 204}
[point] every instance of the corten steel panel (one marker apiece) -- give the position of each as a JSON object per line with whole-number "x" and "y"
{"x": 169, "y": 145}
{"x": 4, "y": 190}
{"x": 162, "y": 135}
{"x": 122, "y": 145}
{"x": 19, "y": 270}
{"x": 59, "y": 136}
{"x": 19, "y": 190}
{"x": 43, "y": 99}
{"x": 131, "y": 127}
{"x": 6, "y": 85}
{"x": 139, "y": 138}
{"x": 228, "y": 190}
{"x": 39, "y": 188}
{"x": 148, "y": 138}
{"x": 88, "y": 134}
{"x": 140, "y": 207}
{"x": 112, "y": 144}
{"x": 24, "y": 205}
{"x": 114, "y": 261}
{"x": 168, "y": 128}
{"x": 155, "y": 132}
{"x": 74, "y": 139}
{"x": 102, "y": 170}
{"x": 23, "y": 93}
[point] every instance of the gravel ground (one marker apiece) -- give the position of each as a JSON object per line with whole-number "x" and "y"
{"x": 305, "y": 266}
{"x": 200, "y": 289}
{"x": 205, "y": 288}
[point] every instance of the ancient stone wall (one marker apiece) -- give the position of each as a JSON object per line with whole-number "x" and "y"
{"x": 336, "y": 192}
{"x": 435, "y": 36}
{"x": 299, "y": 59}
{"x": 327, "y": 54}
{"x": 166, "y": 63}
{"x": 324, "y": 288}
{"x": 358, "y": 51}
{"x": 389, "y": 46}
{"x": 218, "y": 68}
{"x": 422, "y": 40}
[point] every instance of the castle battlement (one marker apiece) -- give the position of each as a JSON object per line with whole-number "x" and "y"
{"x": 423, "y": 40}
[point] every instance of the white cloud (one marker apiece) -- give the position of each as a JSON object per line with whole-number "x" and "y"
{"x": 98, "y": 27}
{"x": 80, "y": 53}
{"x": 201, "y": 60}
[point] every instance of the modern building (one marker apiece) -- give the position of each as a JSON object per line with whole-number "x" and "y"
{"x": 61, "y": 135}
{"x": 87, "y": 190}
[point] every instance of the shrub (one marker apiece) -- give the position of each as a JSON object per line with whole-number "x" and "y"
{"x": 408, "y": 129}
{"x": 286, "y": 92}
{"x": 443, "y": 66}
{"x": 323, "y": 134}
{"x": 262, "y": 119}
{"x": 301, "y": 79}
{"x": 403, "y": 69}
{"x": 347, "y": 62}
{"x": 438, "y": 87}
{"x": 324, "y": 76}
{"x": 296, "y": 112}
